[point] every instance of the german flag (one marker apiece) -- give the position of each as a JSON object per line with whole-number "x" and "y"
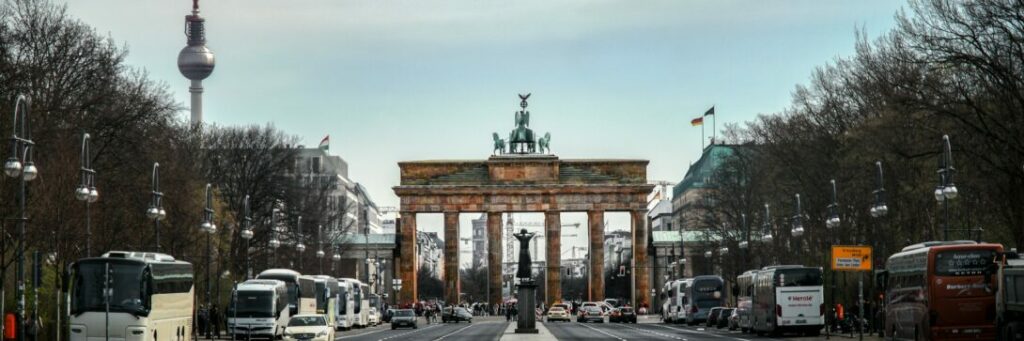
{"x": 697, "y": 121}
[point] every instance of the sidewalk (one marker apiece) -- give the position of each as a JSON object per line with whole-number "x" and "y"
{"x": 542, "y": 334}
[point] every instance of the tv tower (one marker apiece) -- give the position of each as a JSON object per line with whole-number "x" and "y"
{"x": 195, "y": 61}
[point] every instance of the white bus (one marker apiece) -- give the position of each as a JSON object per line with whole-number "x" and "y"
{"x": 744, "y": 299}
{"x": 151, "y": 297}
{"x": 291, "y": 281}
{"x": 675, "y": 298}
{"x": 360, "y": 302}
{"x": 327, "y": 289}
{"x": 259, "y": 309}
{"x": 346, "y": 305}
{"x": 788, "y": 298}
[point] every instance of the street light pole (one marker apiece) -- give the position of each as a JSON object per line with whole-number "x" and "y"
{"x": 156, "y": 210}
{"x": 767, "y": 227}
{"x": 299, "y": 246}
{"x": 273, "y": 242}
{"x": 832, "y": 224}
{"x": 320, "y": 248}
{"x": 798, "y": 227}
{"x": 209, "y": 227}
{"x": 946, "y": 190}
{"x": 21, "y": 150}
{"x": 246, "y": 234}
{"x": 86, "y": 191}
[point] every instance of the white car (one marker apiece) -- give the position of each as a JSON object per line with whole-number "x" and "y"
{"x": 308, "y": 327}
{"x": 374, "y": 317}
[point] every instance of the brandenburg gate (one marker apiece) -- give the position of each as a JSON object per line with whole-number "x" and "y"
{"x": 524, "y": 177}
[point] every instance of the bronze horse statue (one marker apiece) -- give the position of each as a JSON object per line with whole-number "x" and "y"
{"x": 544, "y": 144}
{"x": 499, "y": 144}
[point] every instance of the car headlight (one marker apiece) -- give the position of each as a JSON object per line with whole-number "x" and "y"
{"x": 322, "y": 333}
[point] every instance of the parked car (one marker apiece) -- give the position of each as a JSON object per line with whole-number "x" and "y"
{"x": 308, "y": 327}
{"x": 456, "y": 315}
{"x": 622, "y": 315}
{"x": 557, "y": 313}
{"x": 723, "y": 318}
{"x": 590, "y": 313}
{"x": 713, "y": 317}
{"x": 403, "y": 318}
{"x": 734, "y": 319}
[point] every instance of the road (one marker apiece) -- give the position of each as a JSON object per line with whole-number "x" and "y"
{"x": 482, "y": 328}
{"x": 493, "y": 328}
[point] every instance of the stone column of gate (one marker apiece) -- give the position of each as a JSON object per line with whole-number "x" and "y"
{"x": 409, "y": 263}
{"x": 641, "y": 268}
{"x": 494, "y": 241}
{"x": 553, "y": 231}
{"x": 596, "y": 222}
{"x": 451, "y": 257}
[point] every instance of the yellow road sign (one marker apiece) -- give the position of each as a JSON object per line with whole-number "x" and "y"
{"x": 851, "y": 258}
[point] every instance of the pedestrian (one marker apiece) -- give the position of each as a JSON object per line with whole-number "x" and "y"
{"x": 508, "y": 314}
{"x": 515, "y": 313}
{"x": 215, "y": 320}
{"x": 203, "y": 320}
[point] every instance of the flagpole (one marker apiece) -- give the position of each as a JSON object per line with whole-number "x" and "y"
{"x": 714, "y": 126}
{"x": 702, "y": 134}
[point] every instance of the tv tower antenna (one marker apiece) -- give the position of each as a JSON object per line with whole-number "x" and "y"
{"x": 195, "y": 61}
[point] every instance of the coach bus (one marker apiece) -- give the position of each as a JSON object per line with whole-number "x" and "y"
{"x": 744, "y": 299}
{"x": 346, "y": 306}
{"x": 327, "y": 298}
{"x": 675, "y": 297}
{"x": 788, "y": 298}
{"x": 705, "y": 292}
{"x": 360, "y": 302}
{"x": 150, "y": 297}
{"x": 938, "y": 291}
{"x": 291, "y": 281}
{"x": 259, "y": 309}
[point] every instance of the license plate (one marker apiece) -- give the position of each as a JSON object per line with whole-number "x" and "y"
{"x": 801, "y": 321}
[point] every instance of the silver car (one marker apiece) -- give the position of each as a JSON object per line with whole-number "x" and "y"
{"x": 403, "y": 318}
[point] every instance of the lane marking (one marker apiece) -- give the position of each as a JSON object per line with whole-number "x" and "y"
{"x": 699, "y": 333}
{"x": 407, "y": 333}
{"x": 370, "y": 332}
{"x": 655, "y": 333}
{"x": 460, "y": 330}
{"x": 602, "y": 332}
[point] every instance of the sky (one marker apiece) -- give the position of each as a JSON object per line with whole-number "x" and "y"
{"x": 417, "y": 80}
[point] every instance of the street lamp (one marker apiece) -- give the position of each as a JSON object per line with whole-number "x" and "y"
{"x": 798, "y": 226}
{"x": 209, "y": 227}
{"x": 946, "y": 190}
{"x": 20, "y": 166}
{"x": 767, "y": 227}
{"x": 299, "y": 246}
{"x": 879, "y": 209}
{"x": 274, "y": 243}
{"x": 156, "y": 209}
{"x": 833, "y": 209}
{"x": 86, "y": 191}
{"x": 320, "y": 248}
{"x": 396, "y": 283}
{"x": 246, "y": 234}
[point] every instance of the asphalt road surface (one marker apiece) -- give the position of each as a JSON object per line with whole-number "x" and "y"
{"x": 482, "y": 328}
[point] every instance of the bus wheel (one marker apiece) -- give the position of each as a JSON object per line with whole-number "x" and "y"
{"x": 892, "y": 334}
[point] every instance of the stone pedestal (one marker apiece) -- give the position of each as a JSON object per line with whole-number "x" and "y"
{"x": 527, "y": 322}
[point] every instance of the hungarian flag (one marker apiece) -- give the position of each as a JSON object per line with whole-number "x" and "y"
{"x": 697, "y": 121}
{"x": 325, "y": 144}
{"x": 710, "y": 111}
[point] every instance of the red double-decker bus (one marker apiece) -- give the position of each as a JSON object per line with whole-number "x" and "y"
{"x": 938, "y": 291}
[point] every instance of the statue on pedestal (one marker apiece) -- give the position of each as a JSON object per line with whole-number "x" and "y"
{"x": 524, "y": 254}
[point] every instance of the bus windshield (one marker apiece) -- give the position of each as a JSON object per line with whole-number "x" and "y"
{"x": 963, "y": 262}
{"x": 799, "y": 277}
{"x": 253, "y": 304}
{"x": 707, "y": 293}
{"x": 128, "y": 284}
{"x": 373, "y": 301}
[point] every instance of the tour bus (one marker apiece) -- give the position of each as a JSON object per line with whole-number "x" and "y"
{"x": 327, "y": 298}
{"x": 704, "y": 292}
{"x": 291, "y": 281}
{"x": 675, "y": 297}
{"x": 938, "y": 291}
{"x": 346, "y": 305}
{"x": 788, "y": 298}
{"x": 744, "y": 299}
{"x": 360, "y": 302}
{"x": 151, "y": 297}
{"x": 259, "y": 309}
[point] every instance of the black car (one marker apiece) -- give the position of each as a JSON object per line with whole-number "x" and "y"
{"x": 713, "y": 317}
{"x": 403, "y": 318}
{"x": 386, "y": 318}
{"x": 723, "y": 318}
{"x": 622, "y": 315}
{"x": 456, "y": 315}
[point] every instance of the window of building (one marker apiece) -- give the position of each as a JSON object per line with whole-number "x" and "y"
{"x": 314, "y": 164}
